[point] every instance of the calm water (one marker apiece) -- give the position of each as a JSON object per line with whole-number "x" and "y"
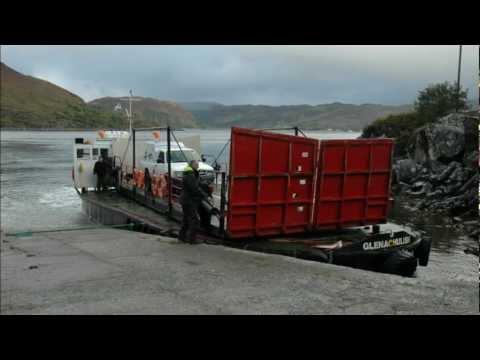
{"x": 37, "y": 193}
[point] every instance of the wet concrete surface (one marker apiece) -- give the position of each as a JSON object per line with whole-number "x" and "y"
{"x": 107, "y": 271}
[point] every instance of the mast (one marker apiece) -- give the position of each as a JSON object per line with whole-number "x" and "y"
{"x": 130, "y": 111}
{"x": 458, "y": 78}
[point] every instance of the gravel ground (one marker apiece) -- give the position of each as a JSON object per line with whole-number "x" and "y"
{"x": 106, "y": 271}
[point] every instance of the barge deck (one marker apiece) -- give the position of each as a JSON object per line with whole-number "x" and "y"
{"x": 340, "y": 247}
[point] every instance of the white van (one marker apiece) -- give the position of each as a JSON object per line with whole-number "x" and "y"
{"x": 155, "y": 159}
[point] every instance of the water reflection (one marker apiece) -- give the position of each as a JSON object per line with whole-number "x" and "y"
{"x": 445, "y": 237}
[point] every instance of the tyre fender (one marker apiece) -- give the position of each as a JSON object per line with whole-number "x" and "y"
{"x": 400, "y": 262}
{"x": 422, "y": 252}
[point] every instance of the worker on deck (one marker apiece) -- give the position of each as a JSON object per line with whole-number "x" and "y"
{"x": 100, "y": 169}
{"x": 191, "y": 199}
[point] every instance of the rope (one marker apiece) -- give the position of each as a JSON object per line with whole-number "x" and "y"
{"x": 301, "y": 132}
{"x": 125, "y": 153}
{"x": 29, "y": 233}
{"x": 175, "y": 138}
{"x": 221, "y": 152}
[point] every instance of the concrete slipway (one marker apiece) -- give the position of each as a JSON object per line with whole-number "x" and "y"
{"x": 109, "y": 271}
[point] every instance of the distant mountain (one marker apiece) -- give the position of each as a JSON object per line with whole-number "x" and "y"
{"x": 334, "y": 116}
{"x": 28, "y": 102}
{"x": 148, "y": 111}
{"x": 198, "y": 106}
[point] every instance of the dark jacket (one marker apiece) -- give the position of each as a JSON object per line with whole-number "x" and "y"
{"x": 100, "y": 168}
{"x": 192, "y": 194}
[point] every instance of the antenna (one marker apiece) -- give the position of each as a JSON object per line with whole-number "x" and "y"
{"x": 458, "y": 77}
{"x": 129, "y": 112}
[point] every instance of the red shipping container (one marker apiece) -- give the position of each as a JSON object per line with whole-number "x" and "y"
{"x": 271, "y": 183}
{"x": 281, "y": 184}
{"x": 353, "y": 182}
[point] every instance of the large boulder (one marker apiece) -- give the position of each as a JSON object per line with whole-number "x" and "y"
{"x": 445, "y": 140}
{"x": 442, "y": 171}
{"x": 405, "y": 171}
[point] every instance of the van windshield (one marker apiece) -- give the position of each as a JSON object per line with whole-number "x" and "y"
{"x": 177, "y": 156}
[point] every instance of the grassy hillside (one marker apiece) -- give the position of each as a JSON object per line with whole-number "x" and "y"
{"x": 28, "y": 102}
{"x": 148, "y": 111}
{"x": 334, "y": 116}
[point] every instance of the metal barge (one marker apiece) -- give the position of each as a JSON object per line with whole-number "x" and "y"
{"x": 288, "y": 194}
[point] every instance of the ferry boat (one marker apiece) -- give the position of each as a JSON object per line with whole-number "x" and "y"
{"x": 324, "y": 200}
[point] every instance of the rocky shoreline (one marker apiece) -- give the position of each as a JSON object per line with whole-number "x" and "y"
{"x": 440, "y": 173}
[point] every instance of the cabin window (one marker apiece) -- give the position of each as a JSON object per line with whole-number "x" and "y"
{"x": 161, "y": 157}
{"x": 95, "y": 152}
{"x": 83, "y": 153}
{"x": 184, "y": 156}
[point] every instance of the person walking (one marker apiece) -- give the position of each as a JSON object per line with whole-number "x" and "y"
{"x": 190, "y": 200}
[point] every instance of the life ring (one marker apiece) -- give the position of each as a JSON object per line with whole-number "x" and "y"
{"x": 137, "y": 178}
{"x": 141, "y": 179}
{"x": 154, "y": 185}
{"x": 163, "y": 186}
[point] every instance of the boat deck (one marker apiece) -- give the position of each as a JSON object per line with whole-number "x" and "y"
{"x": 110, "y": 208}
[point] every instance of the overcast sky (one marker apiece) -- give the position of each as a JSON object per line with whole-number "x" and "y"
{"x": 271, "y": 75}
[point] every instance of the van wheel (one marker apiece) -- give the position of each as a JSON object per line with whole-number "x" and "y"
{"x": 400, "y": 262}
{"x": 422, "y": 252}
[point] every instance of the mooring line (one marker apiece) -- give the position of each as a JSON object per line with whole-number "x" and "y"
{"x": 30, "y": 233}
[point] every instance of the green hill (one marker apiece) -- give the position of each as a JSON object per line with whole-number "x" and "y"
{"x": 148, "y": 111}
{"x": 28, "y": 102}
{"x": 335, "y": 116}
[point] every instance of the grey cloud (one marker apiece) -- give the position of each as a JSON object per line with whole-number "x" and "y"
{"x": 248, "y": 74}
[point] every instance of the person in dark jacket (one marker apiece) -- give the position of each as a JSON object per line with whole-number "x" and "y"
{"x": 100, "y": 169}
{"x": 190, "y": 199}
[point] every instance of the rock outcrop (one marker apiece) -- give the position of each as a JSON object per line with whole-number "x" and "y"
{"x": 441, "y": 173}
{"x": 444, "y": 140}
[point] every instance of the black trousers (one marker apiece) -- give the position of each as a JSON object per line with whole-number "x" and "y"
{"x": 100, "y": 182}
{"x": 205, "y": 218}
{"x": 190, "y": 223}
